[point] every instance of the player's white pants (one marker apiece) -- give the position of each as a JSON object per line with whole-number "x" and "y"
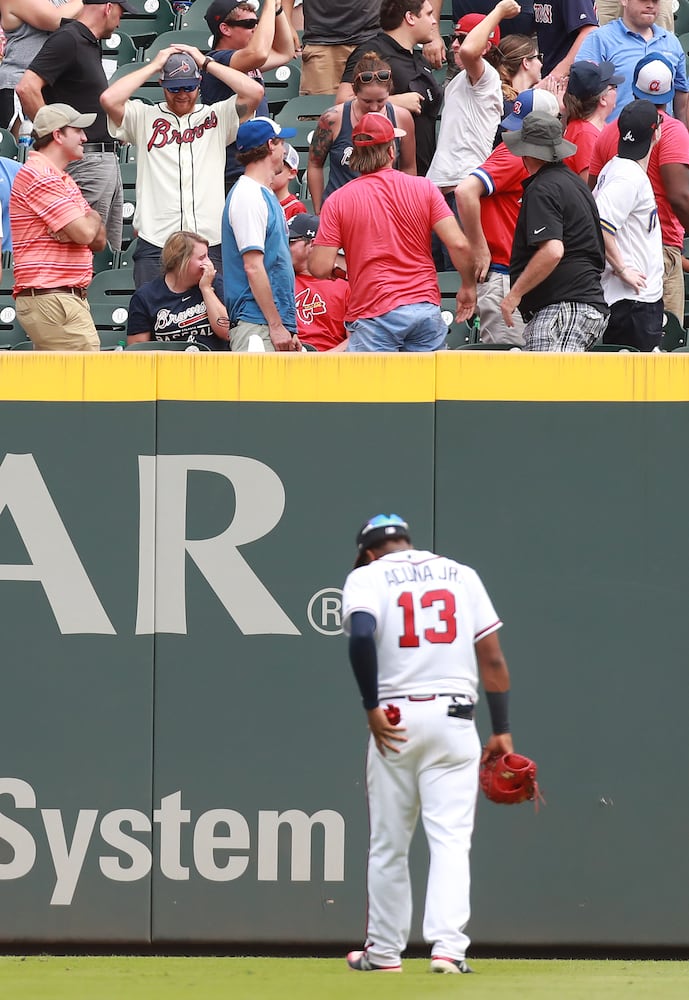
{"x": 436, "y": 774}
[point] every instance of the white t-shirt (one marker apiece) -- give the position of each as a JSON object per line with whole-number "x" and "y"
{"x": 470, "y": 119}
{"x": 627, "y": 208}
{"x": 429, "y": 612}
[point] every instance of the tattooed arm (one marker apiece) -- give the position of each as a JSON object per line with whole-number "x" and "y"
{"x": 326, "y": 132}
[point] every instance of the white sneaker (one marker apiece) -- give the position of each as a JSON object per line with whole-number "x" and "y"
{"x": 454, "y": 965}
{"x": 359, "y": 961}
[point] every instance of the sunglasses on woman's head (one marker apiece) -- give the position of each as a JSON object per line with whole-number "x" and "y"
{"x": 381, "y": 75}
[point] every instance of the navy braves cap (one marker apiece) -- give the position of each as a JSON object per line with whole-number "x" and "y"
{"x": 637, "y": 125}
{"x": 218, "y": 10}
{"x": 257, "y": 131}
{"x": 127, "y": 7}
{"x": 379, "y": 529}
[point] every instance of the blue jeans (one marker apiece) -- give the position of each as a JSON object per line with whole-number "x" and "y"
{"x": 418, "y": 327}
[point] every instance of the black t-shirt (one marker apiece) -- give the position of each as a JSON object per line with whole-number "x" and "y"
{"x": 557, "y": 205}
{"x": 169, "y": 315}
{"x": 410, "y": 73}
{"x": 70, "y": 63}
{"x": 347, "y": 22}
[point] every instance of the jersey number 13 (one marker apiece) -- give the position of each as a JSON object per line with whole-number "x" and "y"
{"x": 443, "y": 602}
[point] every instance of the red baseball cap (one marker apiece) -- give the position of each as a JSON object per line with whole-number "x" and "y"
{"x": 469, "y": 21}
{"x": 377, "y": 127}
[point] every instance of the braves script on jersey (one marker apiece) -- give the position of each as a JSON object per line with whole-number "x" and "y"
{"x": 429, "y": 612}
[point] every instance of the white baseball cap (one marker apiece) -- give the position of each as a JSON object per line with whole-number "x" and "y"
{"x": 654, "y": 79}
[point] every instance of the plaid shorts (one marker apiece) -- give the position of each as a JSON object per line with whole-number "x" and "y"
{"x": 564, "y": 327}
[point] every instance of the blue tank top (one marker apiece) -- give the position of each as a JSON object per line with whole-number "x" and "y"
{"x": 341, "y": 150}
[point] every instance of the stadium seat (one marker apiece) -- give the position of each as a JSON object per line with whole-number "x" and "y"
{"x": 193, "y": 17}
{"x": 681, "y": 13}
{"x": 128, "y": 172}
{"x": 303, "y": 112}
{"x": 108, "y": 295}
{"x": 11, "y": 330}
{"x": 281, "y": 85}
{"x": 489, "y": 347}
{"x": 202, "y": 39}
{"x": 8, "y": 145}
{"x": 674, "y": 334}
{"x": 167, "y": 345}
{"x": 611, "y": 348}
{"x": 681, "y": 350}
{"x": 125, "y": 258}
{"x": 104, "y": 259}
{"x": 151, "y": 92}
{"x": 118, "y": 50}
{"x": 153, "y": 17}
{"x": 22, "y": 345}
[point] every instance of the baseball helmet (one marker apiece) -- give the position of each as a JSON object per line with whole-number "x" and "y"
{"x": 377, "y": 530}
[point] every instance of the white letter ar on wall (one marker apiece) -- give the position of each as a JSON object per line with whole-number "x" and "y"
{"x": 54, "y": 560}
{"x": 260, "y": 502}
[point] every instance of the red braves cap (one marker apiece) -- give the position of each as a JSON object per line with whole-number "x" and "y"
{"x": 469, "y": 22}
{"x": 377, "y": 128}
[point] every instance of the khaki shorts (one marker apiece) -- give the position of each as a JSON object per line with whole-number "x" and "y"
{"x": 494, "y": 330}
{"x": 58, "y": 321}
{"x": 240, "y": 334}
{"x": 322, "y": 67}
{"x": 673, "y": 282}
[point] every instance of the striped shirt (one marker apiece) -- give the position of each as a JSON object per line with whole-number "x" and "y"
{"x": 43, "y": 201}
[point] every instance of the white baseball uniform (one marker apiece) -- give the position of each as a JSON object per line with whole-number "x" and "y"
{"x": 180, "y": 166}
{"x": 429, "y": 613}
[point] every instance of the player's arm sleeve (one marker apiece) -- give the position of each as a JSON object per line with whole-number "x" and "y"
{"x": 614, "y": 202}
{"x": 248, "y": 217}
{"x": 363, "y": 656}
{"x": 132, "y": 127}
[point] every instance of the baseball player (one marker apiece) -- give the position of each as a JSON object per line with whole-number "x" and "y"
{"x": 421, "y": 630}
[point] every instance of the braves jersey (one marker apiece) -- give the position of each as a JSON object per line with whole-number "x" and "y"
{"x": 321, "y": 307}
{"x": 180, "y": 167}
{"x": 429, "y": 612}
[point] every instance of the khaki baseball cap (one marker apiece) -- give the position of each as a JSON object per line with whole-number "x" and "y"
{"x": 52, "y": 116}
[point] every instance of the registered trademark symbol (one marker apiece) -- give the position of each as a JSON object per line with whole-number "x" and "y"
{"x": 325, "y": 611}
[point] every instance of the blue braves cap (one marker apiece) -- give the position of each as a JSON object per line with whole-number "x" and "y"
{"x": 654, "y": 79}
{"x": 257, "y": 131}
{"x": 525, "y": 103}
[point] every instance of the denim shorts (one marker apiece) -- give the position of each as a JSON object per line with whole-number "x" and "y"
{"x": 418, "y": 327}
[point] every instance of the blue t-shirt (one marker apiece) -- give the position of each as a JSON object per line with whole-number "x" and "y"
{"x": 168, "y": 315}
{"x": 623, "y": 47}
{"x": 8, "y": 171}
{"x": 213, "y": 90}
{"x": 254, "y": 201}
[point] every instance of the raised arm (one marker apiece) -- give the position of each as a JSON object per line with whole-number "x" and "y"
{"x": 114, "y": 99}
{"x": 476, "y": 42}
{"x": 39, "y": 14}
{"x": 249, "y": 92}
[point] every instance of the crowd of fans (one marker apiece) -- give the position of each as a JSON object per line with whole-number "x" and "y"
{"x": 541, "y": 153}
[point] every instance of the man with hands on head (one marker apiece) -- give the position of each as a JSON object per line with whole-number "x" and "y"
{"x": 181, "y": 148}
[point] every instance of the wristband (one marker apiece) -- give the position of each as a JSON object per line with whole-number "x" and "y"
{"x": 204, "y": 67}
{"x": 498, "y": 706}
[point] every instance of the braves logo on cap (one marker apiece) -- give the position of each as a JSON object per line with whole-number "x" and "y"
{"x": 517, "y": 107}
{"x": 184, "y": 69}
{"x": 628, "y": 137}
{"x": 654, "y": 87}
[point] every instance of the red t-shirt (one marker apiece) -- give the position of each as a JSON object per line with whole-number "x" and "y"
{"x": 292, "y": 206}
{"x": 673, "y": 147}
{"x": 501, "y": 175}
{"x": 584, "y": 135}
{"x": 384, "y": 222}
{"x": 321, "y": 306}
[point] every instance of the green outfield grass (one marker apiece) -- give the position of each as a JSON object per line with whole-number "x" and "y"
{"x": 123, "y": 978}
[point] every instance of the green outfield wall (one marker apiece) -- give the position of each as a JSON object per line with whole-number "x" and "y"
{"x": 181, "y": 739}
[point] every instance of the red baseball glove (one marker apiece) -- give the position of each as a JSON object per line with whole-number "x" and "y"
{"x": 509, "y": 778}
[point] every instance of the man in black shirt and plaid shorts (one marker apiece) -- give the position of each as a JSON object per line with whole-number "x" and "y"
{"x": 558, "y": 253}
